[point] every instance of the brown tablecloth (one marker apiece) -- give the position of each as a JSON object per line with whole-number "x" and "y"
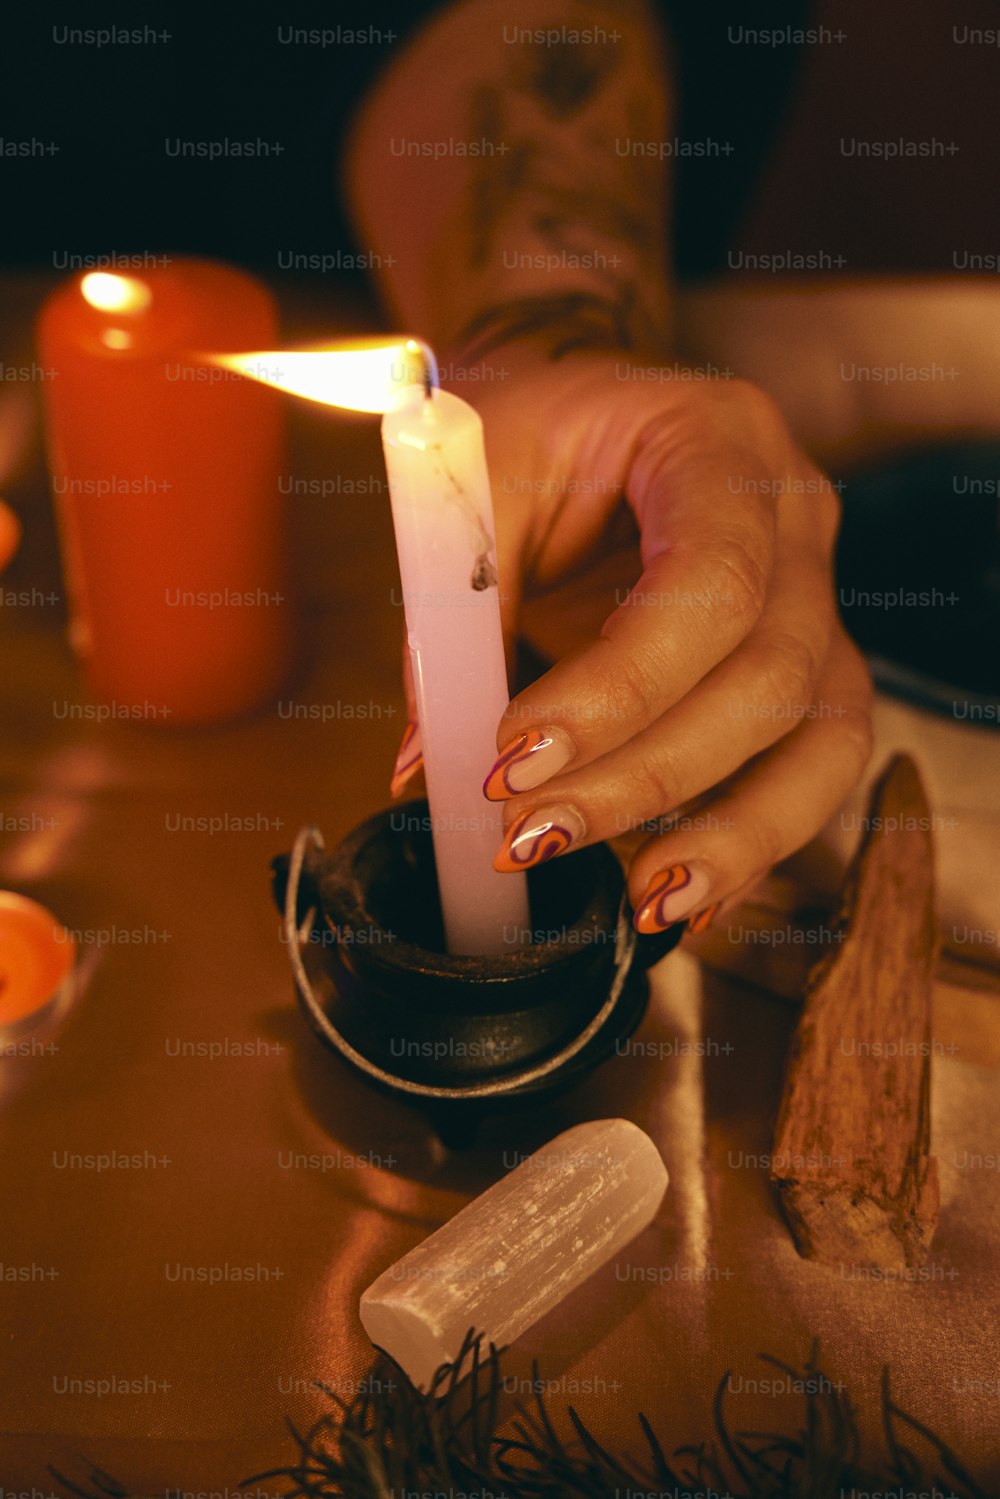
{"x": 278, "y": 1163}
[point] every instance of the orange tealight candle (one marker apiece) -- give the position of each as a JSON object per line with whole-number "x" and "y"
{"x": 36, "y": 960}
{"x": 166, "y": 477}
{"x": 10, "y": 534}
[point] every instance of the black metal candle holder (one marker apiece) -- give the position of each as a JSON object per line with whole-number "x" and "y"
{"x": 459, "y": 1036}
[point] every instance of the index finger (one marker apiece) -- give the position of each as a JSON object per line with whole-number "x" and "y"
{"x": 708, "y": 554}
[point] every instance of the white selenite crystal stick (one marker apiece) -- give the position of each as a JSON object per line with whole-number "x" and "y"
{"x": 519, "y": 1248}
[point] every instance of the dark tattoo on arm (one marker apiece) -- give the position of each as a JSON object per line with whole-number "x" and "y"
{"x": 576, "y": 320}
{"x": 492, "y": 191}
{"x": 559, "y": 178}
{"x": 563, "y": 78}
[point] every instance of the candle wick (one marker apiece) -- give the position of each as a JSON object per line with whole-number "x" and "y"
{"x": 429, "y": 366}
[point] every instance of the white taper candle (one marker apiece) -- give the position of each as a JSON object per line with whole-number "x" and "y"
{"x": 443, "y": 518}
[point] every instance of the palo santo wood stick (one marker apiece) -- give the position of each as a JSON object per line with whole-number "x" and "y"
{"x": 851, "y": 1148}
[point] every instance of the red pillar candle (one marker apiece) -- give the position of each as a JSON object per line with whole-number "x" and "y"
{"x": 165, "y": 472}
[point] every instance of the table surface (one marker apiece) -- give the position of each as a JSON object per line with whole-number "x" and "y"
{"x": 88, "y": 811}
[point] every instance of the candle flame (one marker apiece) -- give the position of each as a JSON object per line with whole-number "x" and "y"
{"x": 110, "y": 293}
{"x": 361, "y": 376}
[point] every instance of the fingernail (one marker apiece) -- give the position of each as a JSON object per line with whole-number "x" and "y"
{"x": 409, "y": 759}
{"x": 670, "y": 896}
{"x": 527, "y": 761}
{"x": 537, "y": 836}
{"x": 703, "y": 920}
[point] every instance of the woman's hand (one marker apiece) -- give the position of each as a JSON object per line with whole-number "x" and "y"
{"x": 721, "y": 682}
{"x": 723, "y": 679}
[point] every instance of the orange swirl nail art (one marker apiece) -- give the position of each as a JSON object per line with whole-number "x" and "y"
{"x": 527, "y": 761}
{"x": 495, "y": 786}
{"x": 537, "y": 836}
{"x": 408, "y": 760}
{"x": 671, "y": 896}
{"x": 650, "y": 916}
{"x": 704, "y": 919}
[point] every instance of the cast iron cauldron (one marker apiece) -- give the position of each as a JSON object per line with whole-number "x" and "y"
{"x": 459, "y": 1036}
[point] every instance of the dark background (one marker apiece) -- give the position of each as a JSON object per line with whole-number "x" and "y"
{"x": 112, "y": 187}
{"x": 898, "y": 73}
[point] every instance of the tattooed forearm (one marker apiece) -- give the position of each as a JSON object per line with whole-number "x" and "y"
{"x": 578, "y": 320}
{"x": 543, "y": 227}
{"x": 609, "y": 225}
{"x": 557, "y": 209}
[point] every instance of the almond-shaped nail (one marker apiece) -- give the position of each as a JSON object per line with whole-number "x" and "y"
{"x": 409, "y": 759}
{"x": 537, "y": 836}
{"x": 703, "y": 920}
{"x": 670, "y": 896}
{"x": 527, "y": 761}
